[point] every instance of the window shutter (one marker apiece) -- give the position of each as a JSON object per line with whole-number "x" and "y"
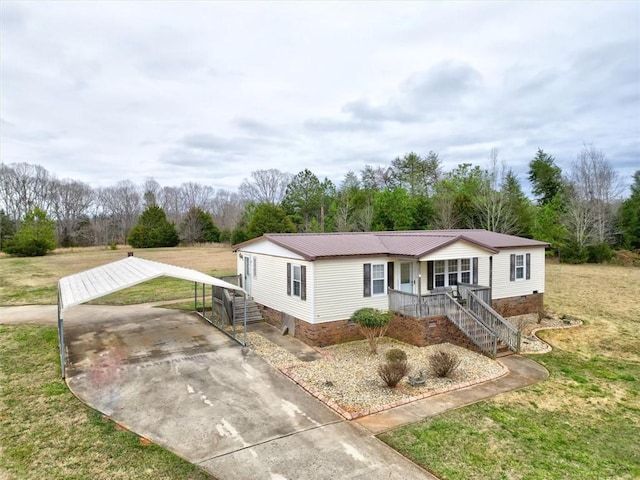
{"x": 512, "y": 275}
{"x": 474, "y": 273}
{"x": 528, "y": 260}
{"x": 430, "y": 275}
{"x": 390, "y": 283}
{"x": 303, "y": 282}
{"x": 367, "y": 280}
{"x": 289, "y": 279}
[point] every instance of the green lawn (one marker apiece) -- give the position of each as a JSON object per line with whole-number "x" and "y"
{"x": 45, "y": 432}
{"x": 581, "y": 423}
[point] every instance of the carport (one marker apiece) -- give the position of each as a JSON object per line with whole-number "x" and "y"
{"x": 100, "y": 281}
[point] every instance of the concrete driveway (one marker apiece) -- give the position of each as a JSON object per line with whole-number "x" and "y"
{"x": 174, "y": 379}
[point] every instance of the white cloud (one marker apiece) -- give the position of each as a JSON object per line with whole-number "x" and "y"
{"x": 209, "y": 91}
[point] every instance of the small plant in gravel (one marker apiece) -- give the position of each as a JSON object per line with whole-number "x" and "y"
{"x": 443, "y": 363}
{"x": 395, "y": 368}
{"x": 373, "y": 324}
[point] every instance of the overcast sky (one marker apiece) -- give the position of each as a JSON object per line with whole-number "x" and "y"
{"x": 210, "y": 91}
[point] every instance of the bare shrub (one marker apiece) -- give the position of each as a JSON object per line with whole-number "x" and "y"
{"x": 443, "y": 363}
{"x": 392, "y": 372}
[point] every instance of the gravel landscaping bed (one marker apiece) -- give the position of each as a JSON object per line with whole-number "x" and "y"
{"x": 529, "y": 325}
{"x": 346, "y": 377}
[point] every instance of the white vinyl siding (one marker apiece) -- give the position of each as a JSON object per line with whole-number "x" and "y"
{"x": 504, "y": 287}
{"x": 459, "y": 249}
{"x": 269, "y": 288}
{"x": 338, "y": 288}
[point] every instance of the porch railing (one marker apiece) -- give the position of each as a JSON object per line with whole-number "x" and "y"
{"x": 444, "y": 305}
{"x": 506, "y": 332}
{"x": 483, "y": 292}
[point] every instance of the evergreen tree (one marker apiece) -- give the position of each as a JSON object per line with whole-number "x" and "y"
{"x": 198, "y": 227}
{"x": 153, "y": 230}
{"x": 545, "y": 177}
{"x": 269, "y": 218}
{"x": 629, "y": 216}
{"x": 35, "y": 237}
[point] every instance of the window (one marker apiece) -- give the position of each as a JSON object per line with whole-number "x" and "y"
{"x": 438, "y": 273}
{"x": 448, "y": 273}
{"x": 377, "y": 279}
{"x": 374, "y": 279}
{"x": 255, "y": 267}
{"x": 465, "y": 270}
{"x": 296, "y": 281}
{"x": 452, "y": 268}
{"x": 520, "y": 266}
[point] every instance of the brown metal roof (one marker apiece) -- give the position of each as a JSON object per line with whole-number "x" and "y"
{"x": 414, "y": 244}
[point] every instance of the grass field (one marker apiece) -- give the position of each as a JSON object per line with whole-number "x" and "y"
{"x": 33, "y": 281}
{"x": 583, "y": 422}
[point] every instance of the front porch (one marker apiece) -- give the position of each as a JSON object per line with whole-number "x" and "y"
{"x": 468, "y": 307}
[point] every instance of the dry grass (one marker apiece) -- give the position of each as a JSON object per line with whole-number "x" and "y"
{"x": 34, "y": 280}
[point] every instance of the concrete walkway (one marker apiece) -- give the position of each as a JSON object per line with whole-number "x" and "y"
{"x": 172, "y": 378}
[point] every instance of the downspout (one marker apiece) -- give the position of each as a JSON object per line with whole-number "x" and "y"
{"x": 490, "y": 302}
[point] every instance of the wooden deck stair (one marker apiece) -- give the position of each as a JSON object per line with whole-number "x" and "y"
{"x": 253, "y": 312}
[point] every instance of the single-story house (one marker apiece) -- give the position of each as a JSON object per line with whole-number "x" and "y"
{"x": 312, "y": 283}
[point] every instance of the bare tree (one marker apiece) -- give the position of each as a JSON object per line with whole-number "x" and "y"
{"x": 169, "y": 199}
{"x": 71, "y": 200}
{"x": 595, "y": 184}
{"x": 226, "y": 209}
{"x": 24, "y": 187}
{"x": 265, "y": 186}
{"x": 120, "y": 205}
{"x": 494, "y": 212}
{"x": 196, "y": 195}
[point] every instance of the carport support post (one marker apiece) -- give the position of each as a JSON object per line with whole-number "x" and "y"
{"x": 244, "y": 341}
{"x": 61, "y": 340}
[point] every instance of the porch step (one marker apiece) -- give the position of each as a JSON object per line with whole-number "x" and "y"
{"x": 253, "y": 312}
{"x": 503, "y": 350}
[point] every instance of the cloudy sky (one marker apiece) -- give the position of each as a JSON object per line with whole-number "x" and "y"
{"x": 210, "y": 91}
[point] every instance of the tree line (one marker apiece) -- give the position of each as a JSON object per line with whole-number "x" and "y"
{"x": 579, "y": 211}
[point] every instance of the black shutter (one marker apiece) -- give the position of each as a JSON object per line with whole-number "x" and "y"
{"x": 303, "y": 282}
{"x": 512, "y": 274}
{"x": 367, "y": 280}
{"x": 289, "y": 279}
{"x": 474, "y": 271}
{"x": 528, "y": 266}
{"x": 430, "y": 275}
{"x": 390, "y": 283}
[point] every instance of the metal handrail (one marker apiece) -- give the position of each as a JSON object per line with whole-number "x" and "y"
{"x": 506, "y": 332}
{"x": 444, "y": 305}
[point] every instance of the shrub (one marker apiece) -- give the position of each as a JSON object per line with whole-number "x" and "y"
{"x": 373, "y": 324}
{"x": 153, "y": 230}
{"x": 396, "y": 355}
{"x": 35, "y": 237}
{"x": 443, "y": 363}
{"x": 392, "y": 372}
{"x": 599, "y": 253}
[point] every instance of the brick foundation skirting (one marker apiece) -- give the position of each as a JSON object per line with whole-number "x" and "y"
{"x": 419, "y": 332}
{"x": 520, "y": 305}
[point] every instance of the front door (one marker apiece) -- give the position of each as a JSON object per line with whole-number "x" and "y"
{"x": 247, "y": 274}
{"x": 406, "y": 277}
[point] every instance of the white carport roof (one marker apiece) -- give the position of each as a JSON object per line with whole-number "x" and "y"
{"x": 97, "y": 282}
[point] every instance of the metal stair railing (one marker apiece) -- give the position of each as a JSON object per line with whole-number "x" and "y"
{"x": 506, "y": 332}
{"x": 475, "y": 330}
